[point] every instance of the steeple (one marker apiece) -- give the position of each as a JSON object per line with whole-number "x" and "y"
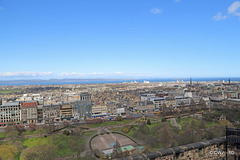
{"x": 229, "y": 81}
{"x": 190, "y": 82}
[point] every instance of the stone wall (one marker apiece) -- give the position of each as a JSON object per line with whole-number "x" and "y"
{"x": 207, "y": 150}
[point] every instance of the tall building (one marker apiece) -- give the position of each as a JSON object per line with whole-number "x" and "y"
{"x": 10, "y": 111}
{"x": 50, "y": 112}
{"x": 66, "y": 111}
{"x": 29, "y": 112}
{"x": 84, "y": 105}
{"x": 99, "y": 111}
{"x": 190, "y": 82}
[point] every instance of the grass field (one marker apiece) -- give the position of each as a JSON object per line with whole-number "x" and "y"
{"x": 10, "y": 91}
{"x": 181, "y": 123}
{"x": 153, "y": 124}
{"x": 62, "y": 144}
{"x": 31, "y": 133}
{"x": 210, "y": 124}
{"x": 2, "y": 135}
{"x": 189, "y": 120}
{"x": 116, "y": 129}
{"x": 88, "y": 133}
{"x": 130, "y": 133}
{"x": 36, "y": 141}
{"x": 109, "y": 123}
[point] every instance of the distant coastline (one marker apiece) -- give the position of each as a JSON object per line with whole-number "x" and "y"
{"x": 102, "y": 81}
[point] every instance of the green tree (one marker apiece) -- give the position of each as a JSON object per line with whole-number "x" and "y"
{"x": 165, "y": 135}
{"x": 7, "y": 152}
{"x": 149, "y": 122}
{"x": 202, "y": 124}
{"x": 76, "y": 141}
{"x": 119, "y": 118}
{"x": 12, "y": 136}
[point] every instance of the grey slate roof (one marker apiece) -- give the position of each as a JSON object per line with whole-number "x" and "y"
{"x": 11, "y": 104}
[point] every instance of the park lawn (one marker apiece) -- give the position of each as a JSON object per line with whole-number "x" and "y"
{"x": 31, "y": 133}
{"x": 116, "y": 129}
{"x": 2, "y": 135}
{"x": 9, "y": 91}
{"x": 185, "y": 120}
{"x": 130, "y": 133}
{"x": 88, "y": 133}
{"x": 153, "y": 125}
{"x": 61, "y": 142}
{"x": 109, "y": 123}
{"x": 210, "y": 124}
{"x": 62, "y": 145}
{"x": 157, "y": 147}
{"x": 36, "y": 141}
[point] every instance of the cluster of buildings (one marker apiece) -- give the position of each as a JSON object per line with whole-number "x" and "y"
{"x": 42, "y": 104}
{"x": 35, "y": 111}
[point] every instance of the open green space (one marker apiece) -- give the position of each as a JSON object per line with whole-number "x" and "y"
{"x": 32, "y": 132}
{"x": 6, "y": 91}
{"x": 130, "y": 133}
{"x": 88, "y": 133}
{"x": 2, "y": 135}
{"x": 109, "y": 123}
{"x": 116, "y": 129}
{"x": 63, "y": 144}
{"x": 153, "y": 124}
{"x": 36, "y": 141}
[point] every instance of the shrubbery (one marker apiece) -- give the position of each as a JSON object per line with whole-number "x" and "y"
{"x": 127, "y": 128}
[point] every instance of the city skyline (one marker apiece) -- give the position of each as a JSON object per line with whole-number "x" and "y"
{"x": 120, "y": 39}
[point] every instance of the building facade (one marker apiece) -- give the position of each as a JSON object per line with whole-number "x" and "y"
{"x": 29, "y": 112}
{"x": 84, "y": 105}
{"x": 10, "y": 112}
{"x": 66, "y": 111}
{"x": 51, "y": 112}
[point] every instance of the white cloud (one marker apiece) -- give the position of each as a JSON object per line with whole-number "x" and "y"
{"x": 156, "y": 10}
{"x": 234, "y": 9}
{"x": 219, "y": 16}
{"x": 79, "y": 74}
{"x": 23, "y": 74}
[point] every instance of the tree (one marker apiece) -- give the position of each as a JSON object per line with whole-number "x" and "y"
{"x": 125, "y": 129}
{"x": 202, "y": 102}
{"x": 66, "y": 132}
{"x": 202, "y": 124}
{"x": 20, "y": 128}
{"x": 7, "y": 152}
{"x": 29, "y": 154}
{"x": 76, "y": 141}
{"x": 32, "y": 127}
{"x": 12, "y": 136}
{"x": 119, "y": 118}
{"x": 50, "y": 126}
{"x": 46, "y": 151}
{"x": 41, "y": 131}
{"x": 144, "y": 129}
{"x": 149, "y": 122}
{"x": 10, "y": 127}
{"x": 193, "y": 105}
{"x": 165, "y": 135}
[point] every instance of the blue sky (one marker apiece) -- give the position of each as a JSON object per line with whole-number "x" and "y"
{"x": 119, "y": 38}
